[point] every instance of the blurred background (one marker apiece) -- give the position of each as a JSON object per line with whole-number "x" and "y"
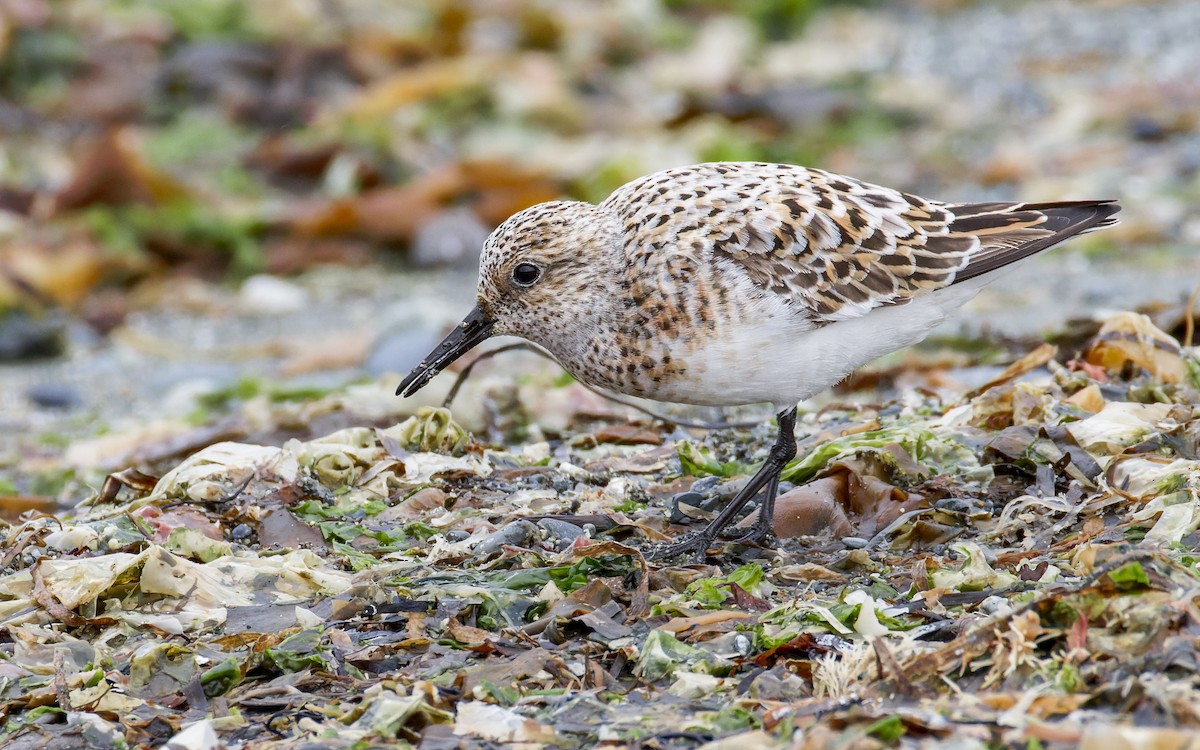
{"x": 219, "y": 203}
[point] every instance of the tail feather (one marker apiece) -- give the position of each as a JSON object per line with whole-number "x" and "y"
{"x": 1009, "y": 232}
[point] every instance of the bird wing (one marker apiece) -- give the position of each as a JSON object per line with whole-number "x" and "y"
{"x": 834, "y": 246}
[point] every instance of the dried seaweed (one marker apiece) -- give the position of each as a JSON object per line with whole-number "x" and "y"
{"x": 1032, "y": 572}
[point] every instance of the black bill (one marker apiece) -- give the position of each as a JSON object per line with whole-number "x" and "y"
{"x": 466, "y": 335}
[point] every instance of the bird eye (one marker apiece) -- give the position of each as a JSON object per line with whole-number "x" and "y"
{"x": 526, "y": 274}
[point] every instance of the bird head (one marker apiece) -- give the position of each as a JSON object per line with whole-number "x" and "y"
{"x": 544, "y": 275}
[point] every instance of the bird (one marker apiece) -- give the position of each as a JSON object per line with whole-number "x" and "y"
{"x": 731, "y": 283}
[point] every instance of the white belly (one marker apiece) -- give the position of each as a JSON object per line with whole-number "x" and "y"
{"x": 779, "y": 362}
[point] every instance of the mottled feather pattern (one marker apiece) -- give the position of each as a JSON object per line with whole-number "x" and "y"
{"x": 835, "y": 246}
{"x": 694, "y": 284}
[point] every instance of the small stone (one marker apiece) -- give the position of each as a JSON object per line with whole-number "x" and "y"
{"x": 456, "y": 535}
{"x": 562, "y": 532}
{"x": 705, "y": 485}
{"x": 694, "y": 499}
{"x": 855, "y": 542}
{"x": 272, "y": 296}
{"x": 778, "y": 684}
{"x": 1144, "y": 128}
{"x": 996, "y": 605}
{"x": 396, "y": 349}
{"x": 453, "y": 237}
{"x": 54, "y": 396}
{"x": 240, "y": 532}
{"x": 953, "y": 504}
{"x": 24, "y": 338}
{"x": 516, "y": 534}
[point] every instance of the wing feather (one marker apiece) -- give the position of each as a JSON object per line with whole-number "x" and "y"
{"x": 832, "y": 246}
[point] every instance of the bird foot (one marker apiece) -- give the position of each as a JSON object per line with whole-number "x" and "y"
{"x": 759, "y": 534}
{"x": 692, "y": 547}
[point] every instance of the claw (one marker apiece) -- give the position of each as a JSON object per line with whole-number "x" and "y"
{"x": 764, "y": 481}
{"x": 758, "y": 535}
{"x": 693, "y": 547}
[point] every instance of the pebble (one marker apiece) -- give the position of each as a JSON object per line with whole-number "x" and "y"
{"x": 778, "y": 684}
{"x": 54, "y": 396}
{"x": 453, "y": 237}
{"x": 271, "y": 295}
{"x": 456, "y": 535}
{"x": 954, "y": 504}
{"x": 855, "y": 542}
{"x": 24, "y": 338}
{"x": 996, "y": 605}
{"x": 240, "y": 532}
{"x": 694, "y": 499}
{"x": 562, "y": 532}
{"x": 397, "y": 348}
{"x": 518, "y": 534}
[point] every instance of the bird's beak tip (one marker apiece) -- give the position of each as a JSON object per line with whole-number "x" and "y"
{"x": 466, "y": 335}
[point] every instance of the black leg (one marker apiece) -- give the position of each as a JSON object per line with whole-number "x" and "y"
{"x": 760, "y": 531}
{"x": 766, "y": 480}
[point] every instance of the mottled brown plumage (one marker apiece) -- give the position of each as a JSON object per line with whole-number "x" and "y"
{"x": 719, "y": 283}
{"x": 831, "y": 244}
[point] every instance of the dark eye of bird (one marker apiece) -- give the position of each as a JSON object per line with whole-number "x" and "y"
{"x": 526, "y": 273}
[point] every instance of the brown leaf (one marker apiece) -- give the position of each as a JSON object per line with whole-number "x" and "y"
{"x": 806, "y": 646}
{"x": 135, "y": 480}
{"x": 603, "y": 625}
{"x": 411, "y": 85}
{"x": 63, "y": 273}
{"x": 12, "y": 506}
{"x": 850, "y": 500}
{"x": 1028, "y": 363}
{"x": 1089, "y": 399}
{"x": 808, "y": 572}
{"x": 494, "y": 190}
{"x": 510, "y": 671}
{"x": 1133, "y": 338}
{"x": 467, "y": 635}
{"x": 415, "y": 505}
{"x": 743, "y": 599}
{"x": 640, "y": 600}
{"x": 813, "y": 508}
{"x": 684, "y": 625}
{"x": 628, "y": 434}
{"x": 887, "y": 665}
{"x": 113, "y": 172}
{"x": 595, "y": 594}
{"x": 29, "y": 535}
{"x": 280, "y": 529}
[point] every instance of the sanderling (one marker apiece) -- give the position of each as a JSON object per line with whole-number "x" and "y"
{"x": 737, "y": 283}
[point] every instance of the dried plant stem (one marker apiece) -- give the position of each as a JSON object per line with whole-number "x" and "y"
{"x": 1189, "y": 318}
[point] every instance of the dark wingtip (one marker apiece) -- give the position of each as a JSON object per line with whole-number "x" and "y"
{"x": 1064, "y": 220}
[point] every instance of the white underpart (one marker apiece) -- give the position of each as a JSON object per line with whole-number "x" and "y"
{"x": 780, "y": 360}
